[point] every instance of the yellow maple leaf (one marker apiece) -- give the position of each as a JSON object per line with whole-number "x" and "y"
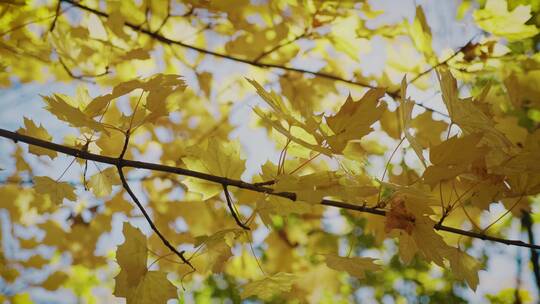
{"x": 275, "y": 205}
{"x": 405, "y": 117}
{"x": 159, "y": 87}
{"x": 354, "y": 119}
{"x": 216, "y": 158}
{"x": 31, "y": 129}
{"x": 355, "y": 266}
{"x": 132, "y": 254}
{"x": 303, "y": 131}
{"x": 217, "y": 249}
{"x": 111, "y": 144}
{"x": 453, "y": 157}
{"x": 430, "y": 244}
{"x": 59, "y": 107}
{"x": 135, "y": 282}
{"x": 467, "y": 113}
{"x": 428, "y": 131}
{"x": 102, "y": 182}
{"x": 421, "y": 33}
{"x": 266, "y": 288}
{"x": 407, "y": 247}
{"x": 457, "y": 150}
{"x": 57, "y": 191}
{"x": 464, "y": 267}
{"x": 495, "y": 18}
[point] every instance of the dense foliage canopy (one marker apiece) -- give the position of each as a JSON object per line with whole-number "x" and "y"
{"x": 276, "y": 151}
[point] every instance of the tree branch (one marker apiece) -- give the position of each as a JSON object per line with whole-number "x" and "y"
{"x": 444, "y": 62}
{"x": 166, "y": 40}
{"x": 120, "y": 163}
{"x": 526, "y": 222}
{"x": 256, "y": 62}
{"x": 56, "y": 15}
{"x": 81, "y": 77}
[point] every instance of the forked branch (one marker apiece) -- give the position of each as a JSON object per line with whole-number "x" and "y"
{"x": 119, "y": 165}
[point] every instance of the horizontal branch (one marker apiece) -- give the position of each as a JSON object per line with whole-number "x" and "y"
{"x": 119, "y": 162}
{"x": 256, "y": 62}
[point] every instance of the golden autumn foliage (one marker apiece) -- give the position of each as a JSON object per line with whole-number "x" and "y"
{"x": 266, "y": 151}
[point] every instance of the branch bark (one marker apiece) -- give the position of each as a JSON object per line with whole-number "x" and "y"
{"x": 119, "y": 162}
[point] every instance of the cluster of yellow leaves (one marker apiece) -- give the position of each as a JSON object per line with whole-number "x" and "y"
{"x": 495, "y": 18}
{"x": 417, "y": 235}
{"x": 80, "y": 112}
{"x": 493, "y": 157}
{"x": 352, "y": 122}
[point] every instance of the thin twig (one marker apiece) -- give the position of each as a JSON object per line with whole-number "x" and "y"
{"x": 444, "y": 62}
{"x": 504, "y": 214}
{"x": 386, "y": 169}
{"x": 277, "y": 47}
{"x": 231, "y": 208}
{"x": 82, "y": 77}
{"x": 56, "y": 15}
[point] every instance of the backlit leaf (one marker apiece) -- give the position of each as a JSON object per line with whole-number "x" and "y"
{"x": 497, "y": 19}
{"x": 31, "y": 129}
{"x": 215, "y": 157}
{"x": 266, "y": 288}
{"x": 355, "y": 266}
{"x": 354, "y": 119}
{"x": 57, "y": 191}
{"x": 102, "y": 182}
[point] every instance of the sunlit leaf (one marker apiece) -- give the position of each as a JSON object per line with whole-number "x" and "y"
{"x": 266, "y": 288}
